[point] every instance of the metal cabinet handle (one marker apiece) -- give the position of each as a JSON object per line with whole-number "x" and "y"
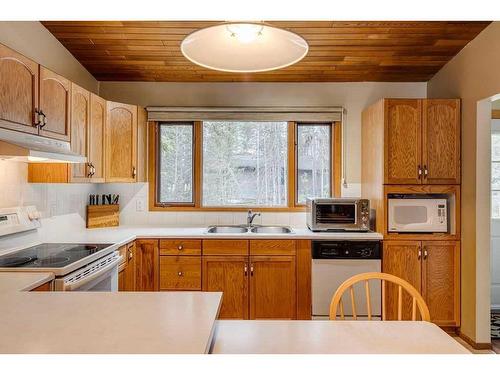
{"x": 426, "y": 172}
{"x": 134, "y": 172}
{"x": 251, "y": 270}
{"x": 425, "y": 254}
{"x": 180, "y": 273}
{"x": 89, "y": 166}
{"x": 180, "y": 247}
{"x": 246, "y": 270}
{"x": 36, "y": 117}
{"x": 130, "y": 254}
{"x": 42, "y": 119}
{"x": 419, "y": 171}
{"x": 419, "y": 253}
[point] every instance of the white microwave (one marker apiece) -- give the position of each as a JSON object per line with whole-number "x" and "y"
{"x": 418, "y": 215}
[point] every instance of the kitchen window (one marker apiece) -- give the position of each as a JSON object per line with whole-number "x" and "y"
{"x": 224, "y": 165}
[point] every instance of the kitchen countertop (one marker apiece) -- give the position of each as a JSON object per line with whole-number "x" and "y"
{"x": 23, "y": 281}
{"x": 123, "y": 234}
{"x": 331, "y": 337}
{"x": 100, "y": 322}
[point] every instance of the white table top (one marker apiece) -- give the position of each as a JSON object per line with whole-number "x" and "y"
{"x": 331, "y": 337}
{"x": 23, "y": 281}
{"x": 105, "y": 322}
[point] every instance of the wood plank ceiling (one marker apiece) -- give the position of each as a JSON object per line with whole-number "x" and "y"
{"x": 339, "y": 51}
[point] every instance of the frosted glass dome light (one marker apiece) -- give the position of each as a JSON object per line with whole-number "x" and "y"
{"x": 242, "y": 47}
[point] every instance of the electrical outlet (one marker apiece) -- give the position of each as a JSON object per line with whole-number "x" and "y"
{"x": 139, "y": 204}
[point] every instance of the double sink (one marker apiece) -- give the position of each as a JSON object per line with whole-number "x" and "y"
{"x": 269, "y": 229}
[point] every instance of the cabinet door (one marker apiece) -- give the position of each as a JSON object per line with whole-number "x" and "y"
{"x": 147, "y": 266}
{"x": 18, "y": 91}
{"x": 441, "y": 141}
{"x": 121, "y": 136}
{"x": 55, "y": 98}
{"x": 403, "y": 141}
{"x": 441, "y": 281}
{"x": 130, "y": 272}
{"x": 273, "y": 287}
{"x": 401, "y": 259}
{"x": 97, "y": 137}
{"x": 229, "y": 275}
{"x": 80, "y": 121}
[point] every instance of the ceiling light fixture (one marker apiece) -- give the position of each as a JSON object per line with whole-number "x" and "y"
{"x": 244, "y": 47}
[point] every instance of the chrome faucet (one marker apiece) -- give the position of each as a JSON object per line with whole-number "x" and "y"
{"x": 250, "y": 217}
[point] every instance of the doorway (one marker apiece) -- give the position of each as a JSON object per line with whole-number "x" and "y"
{"x": 495, "y": 226}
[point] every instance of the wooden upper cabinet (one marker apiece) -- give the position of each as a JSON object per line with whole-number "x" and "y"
{"x": 55, "y": 103}
{"x": 401, "y": 259}
{"x": 403, "y": 141}
{"x": 228, "y": 274}
{"x": 273, "y": 287}
{"x": 121, "y": 140}
{"x": 441, "y": 141}
{"x": 18, "y": 91}
{"x": 441, "y": 281}
{"x": 97, "y": 136}
{"x": 80, "y": 122}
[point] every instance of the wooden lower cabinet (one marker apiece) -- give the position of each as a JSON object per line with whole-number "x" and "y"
{"x": 433, "y": 268}
{"x": 228, "y": 274}
{"x": 441, "y": 281}
{"x": 47, "y": 287}
{"x": 401, "y": 259}
{"x": 147, "y": 265}
{"x": 127, "y": 277}
{"x": 180, "y": 272}
{"x": 273, "y": 286}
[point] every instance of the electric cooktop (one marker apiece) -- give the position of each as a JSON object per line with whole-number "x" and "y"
{"x": 49, "y": 255}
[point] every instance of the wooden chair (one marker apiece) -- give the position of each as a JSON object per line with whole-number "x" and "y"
{"x": 417, "y": 300}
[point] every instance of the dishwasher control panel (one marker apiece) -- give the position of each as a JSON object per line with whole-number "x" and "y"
{"x": 346, "y": 250}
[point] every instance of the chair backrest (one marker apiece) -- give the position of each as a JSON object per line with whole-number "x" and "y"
{"x": 417, "y": 300}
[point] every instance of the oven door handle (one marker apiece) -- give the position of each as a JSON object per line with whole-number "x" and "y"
{"x": 75, "y": 285}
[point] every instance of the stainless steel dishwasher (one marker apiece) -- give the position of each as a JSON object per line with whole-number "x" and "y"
{"x": 333, "y": 262}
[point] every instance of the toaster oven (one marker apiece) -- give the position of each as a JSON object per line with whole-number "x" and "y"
{"x": 338, "y": 214}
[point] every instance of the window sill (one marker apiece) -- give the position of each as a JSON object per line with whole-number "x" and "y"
{"x": 228, "y": 209}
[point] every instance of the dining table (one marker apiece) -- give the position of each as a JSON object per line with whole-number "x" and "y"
{"x": 331, "y": 337}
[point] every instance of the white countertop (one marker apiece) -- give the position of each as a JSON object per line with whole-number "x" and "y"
{"x": 23, "y": 281}
{"x": 124, "y": 234}
{"x": 331, "y": 337}
{"x": 101, "y": 322}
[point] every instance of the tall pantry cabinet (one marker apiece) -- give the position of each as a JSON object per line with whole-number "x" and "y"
{"x": 412, "y": 146}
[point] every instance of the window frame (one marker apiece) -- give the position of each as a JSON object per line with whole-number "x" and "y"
{"x": 292, "y": 205}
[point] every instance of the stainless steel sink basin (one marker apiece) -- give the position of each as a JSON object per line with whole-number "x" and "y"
{"x": 271, "y": 229}
{"x": 227, "y": 229}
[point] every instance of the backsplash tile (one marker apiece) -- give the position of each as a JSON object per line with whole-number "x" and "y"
{"x": 61, "y": 199}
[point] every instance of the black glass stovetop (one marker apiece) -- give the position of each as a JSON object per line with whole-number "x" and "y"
{"x": 49, "y": 255}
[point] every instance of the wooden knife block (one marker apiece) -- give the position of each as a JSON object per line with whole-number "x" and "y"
{"x": 100, "y": 216}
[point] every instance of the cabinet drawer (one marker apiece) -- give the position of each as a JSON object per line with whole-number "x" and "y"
{"x": 180, "y": 247}
{"x": 180, "y": 273}
{"x": 225, "y": 247}
{"x": 272, "y": 247}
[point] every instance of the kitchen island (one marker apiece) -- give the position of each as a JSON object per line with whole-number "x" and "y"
{"x": 108, "y": 323}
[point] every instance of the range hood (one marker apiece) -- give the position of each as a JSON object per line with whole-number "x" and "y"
{"x": 29, "y": 148}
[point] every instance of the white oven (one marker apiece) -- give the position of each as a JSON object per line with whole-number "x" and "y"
{"x": 419, "y": 214}
{"x": 99, "y": 276}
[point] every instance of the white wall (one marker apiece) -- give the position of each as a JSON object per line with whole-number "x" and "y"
{"x": 495, "y": 242}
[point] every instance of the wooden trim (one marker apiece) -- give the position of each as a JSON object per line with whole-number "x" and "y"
{"x": 337, "y": 159}
{"x": 292, "y": 162}
{"x": 197, "y": 205}
{"x": 303, "y": 264}
{"x": 475, "y": 345}
{"x": 495, "y": 114}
